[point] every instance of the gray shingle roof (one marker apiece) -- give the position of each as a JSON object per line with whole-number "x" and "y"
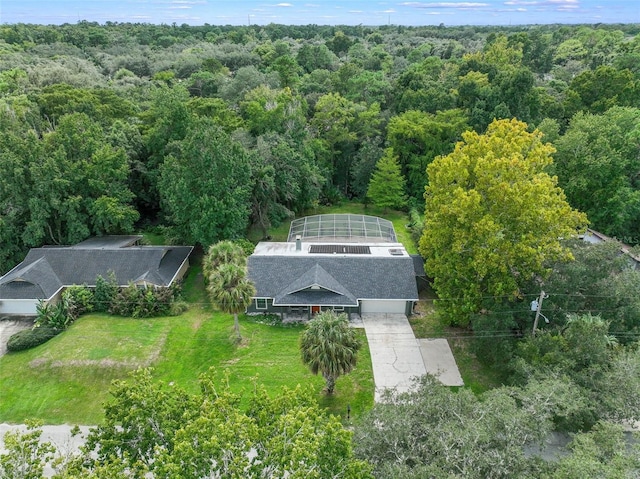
{"x": 326, "y": 286}
{"x": 418, "y": 265}
{"x": 358, "y": 277}
{"x": 48, "y": 269}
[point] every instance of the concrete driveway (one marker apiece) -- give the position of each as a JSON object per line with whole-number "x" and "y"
{"x": 395, "y": 353}
{"x": 398, "y": 357}
{"x": 9, "y": 327}
{"x": 439, "y": 361}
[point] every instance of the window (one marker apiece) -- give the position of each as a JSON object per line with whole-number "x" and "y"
{"x": 261, "y": 303}
{"x": 338, "y": 308}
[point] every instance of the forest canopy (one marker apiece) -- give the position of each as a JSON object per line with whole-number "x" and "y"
{"x": 107, "y": 128}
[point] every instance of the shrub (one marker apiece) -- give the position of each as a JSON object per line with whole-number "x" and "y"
{"x": 139, "y": 302}
{"x": 54, "y": 315}
{"x": 77, "y": 300}
{"x": 246, "y": 245}
{"x": 127, "y": 301}
{"x": 105, "y": 292}
{"x": 178, "y": 307}
{"x": 30, "y": 338}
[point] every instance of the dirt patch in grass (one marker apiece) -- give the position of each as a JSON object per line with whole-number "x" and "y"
{"x": 197, "y": 323}
{"x": 151, "y": 359}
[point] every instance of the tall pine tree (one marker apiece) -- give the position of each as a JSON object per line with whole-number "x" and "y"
{"x": 387, "y": 185}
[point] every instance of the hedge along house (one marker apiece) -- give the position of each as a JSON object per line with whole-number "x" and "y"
{"x": 343, "y": 262}
{"x": 47, "y": 271}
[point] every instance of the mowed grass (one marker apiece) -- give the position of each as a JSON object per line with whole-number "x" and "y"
{"x": 67, "y": 379}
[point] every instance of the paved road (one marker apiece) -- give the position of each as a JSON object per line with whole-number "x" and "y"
{"x": 8, "y": 327}
{"x": 398, "y": 357}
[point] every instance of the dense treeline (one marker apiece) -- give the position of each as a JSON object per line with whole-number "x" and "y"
{"x": 208, "y": 130}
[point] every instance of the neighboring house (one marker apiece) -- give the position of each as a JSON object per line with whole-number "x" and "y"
{"x": 595, "y": 237}
{"x": 347, "y": 263}
{"x": 47, "y": 271}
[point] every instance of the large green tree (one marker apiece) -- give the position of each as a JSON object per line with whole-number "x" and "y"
{"x": 159, "y": 430}
{"x": 80, "y": 186}
{"x": 24, "y": 454}
{"x": 598, "y": 167}
{"x": 418, "y": 137}
{"x": 586, "y": 354}
{"x": 494, "y": 218}
{"x": 342, "y": 125}
{"x": 602, "y": 452}
{"x": 205, "y": 186}
{"x": 329, "y": 347}
{"x": 434, "y": 432}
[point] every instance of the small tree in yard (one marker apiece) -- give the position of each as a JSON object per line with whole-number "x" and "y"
{"x": 231, "y": 290}
{"x": 329, "y": 346}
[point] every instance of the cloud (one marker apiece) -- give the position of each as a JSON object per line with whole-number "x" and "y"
{"x": 283, "y": 5}
{"x": 542, "y": 3}
{"x": 445, "y": 5}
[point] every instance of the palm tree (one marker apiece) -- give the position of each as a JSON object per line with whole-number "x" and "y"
{"x": 231, "y": 290}
{"x": 220, "y": 253}
{"x": 329, "y": 346}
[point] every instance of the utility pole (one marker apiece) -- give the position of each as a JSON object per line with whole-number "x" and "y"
{"x": 536, "y": 305}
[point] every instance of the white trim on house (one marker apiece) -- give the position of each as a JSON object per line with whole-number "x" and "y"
{"x": 266, "y": 304}
{"x": 182, "y": 270}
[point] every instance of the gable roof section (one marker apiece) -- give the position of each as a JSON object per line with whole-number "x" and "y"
{"x": 360, "y": 277}
{"x": 36, "y": 279}
{"x": 315, "y": 285}
{"x": 48, "y": 269}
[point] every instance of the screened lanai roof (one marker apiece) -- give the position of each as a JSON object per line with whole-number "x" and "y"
{"x": 343, "y": 227}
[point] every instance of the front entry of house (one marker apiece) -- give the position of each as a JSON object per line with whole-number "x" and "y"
{"x": 315, "y": 309}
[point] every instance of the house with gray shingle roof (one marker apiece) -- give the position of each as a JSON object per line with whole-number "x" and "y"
{"x": 347, "y": 263}
{"x": 47, "y": 271}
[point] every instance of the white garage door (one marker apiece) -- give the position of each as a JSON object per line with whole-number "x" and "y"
{"x": 382, "y": 306}
{"x": 26, "y": 307}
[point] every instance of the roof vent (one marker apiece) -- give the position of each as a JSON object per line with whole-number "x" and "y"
{"x": 298, "y": 243}
{"x": 396, "y": 252}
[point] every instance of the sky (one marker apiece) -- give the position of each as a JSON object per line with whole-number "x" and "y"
{"x": 321, "y": 12}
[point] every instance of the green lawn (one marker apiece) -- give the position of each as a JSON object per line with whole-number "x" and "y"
{"x": 67, "y": 379}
